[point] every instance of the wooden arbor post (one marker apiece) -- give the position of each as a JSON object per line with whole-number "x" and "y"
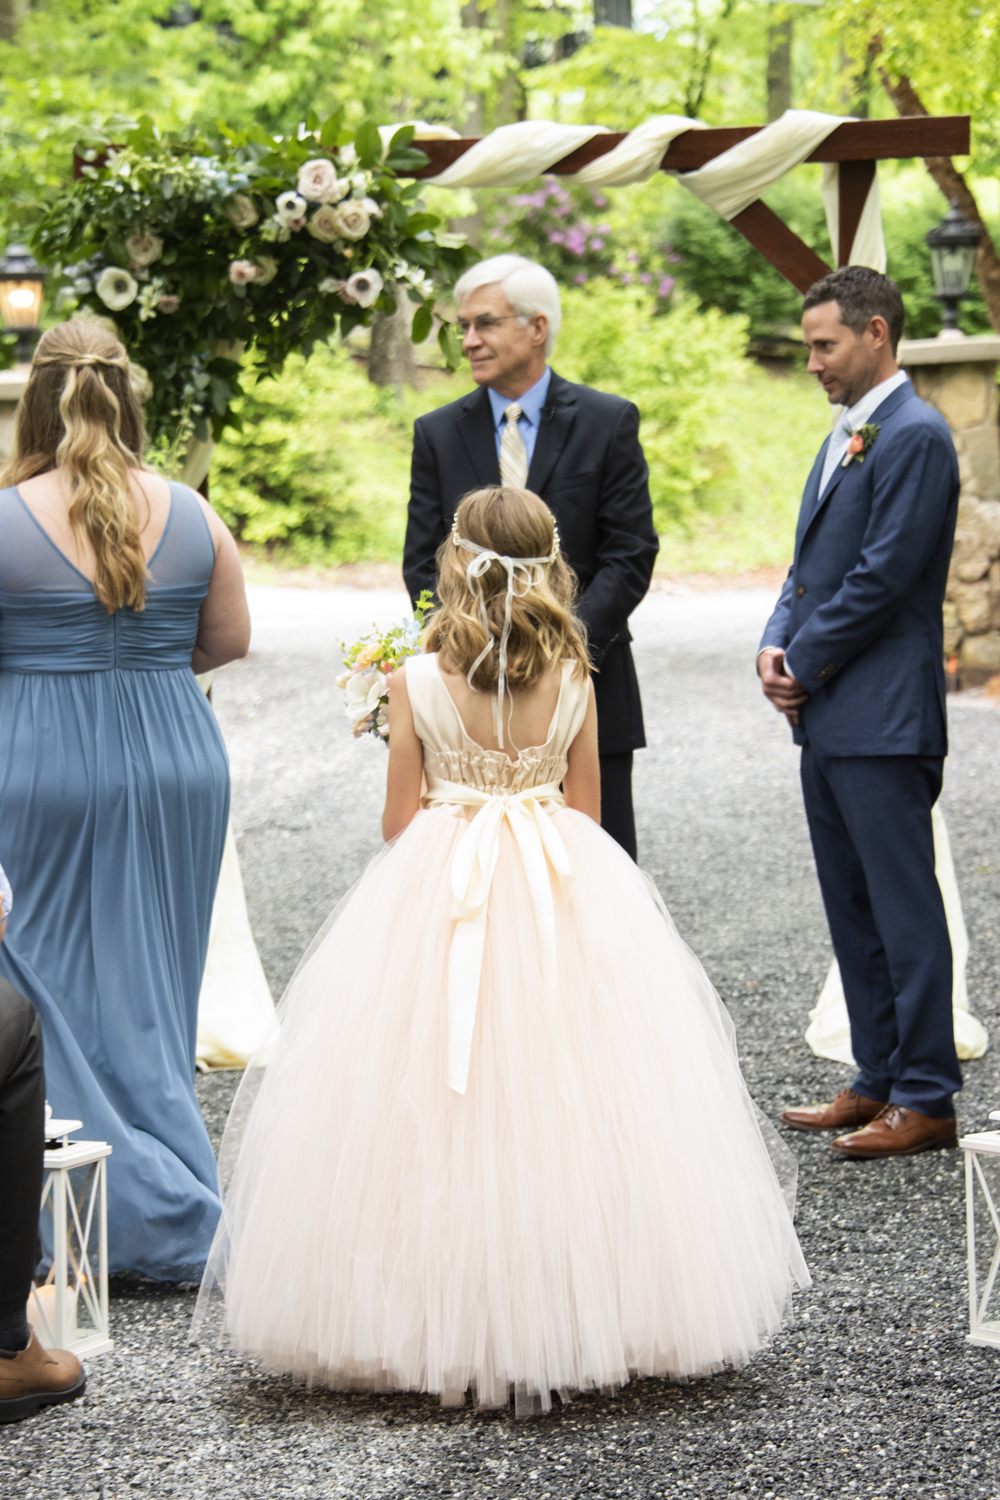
{"x": 856, "y": 146}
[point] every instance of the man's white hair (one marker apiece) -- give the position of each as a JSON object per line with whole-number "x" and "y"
{"x": 528, "y": 287}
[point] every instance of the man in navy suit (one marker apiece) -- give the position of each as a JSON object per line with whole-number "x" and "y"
{"x": 575, "y": 447}
{"x": 853, "y": 656}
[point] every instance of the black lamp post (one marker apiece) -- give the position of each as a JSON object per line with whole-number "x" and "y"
{"x": 22, "y": 284}
{"x": 953, "y": 245}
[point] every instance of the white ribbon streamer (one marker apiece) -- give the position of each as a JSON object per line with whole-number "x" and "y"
{"x": 541, "y": 849}
{"x": 519, "y": 569}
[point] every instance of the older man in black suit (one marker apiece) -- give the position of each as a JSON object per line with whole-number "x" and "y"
{"x": 575, "y": 447}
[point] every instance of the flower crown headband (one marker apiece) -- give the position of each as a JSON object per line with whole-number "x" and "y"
{"x": 519, "y": 570}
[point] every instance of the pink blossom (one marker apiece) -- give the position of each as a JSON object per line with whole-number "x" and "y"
{"x": 604, "y": 228}
{"x": 645, "y": 278}
{"x": 632, "y": 258}
{"x": 598, "y": 201}
{"x": 597, "y": 244}
{"x": 612, "y": 270}
{"x": 560, "y": 213}
{"x": 296, "y": 223}
{"x": 627, "y": 279}
{"x": 576, "y": 241}
{"x": 666, "y": 286}
{"x": 556, "y": 237}
{"x": 168, "y": 304}
{"x": 580, "y": 278}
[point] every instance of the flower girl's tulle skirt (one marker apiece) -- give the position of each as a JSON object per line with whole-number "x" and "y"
{"x": 601, "y": 1203}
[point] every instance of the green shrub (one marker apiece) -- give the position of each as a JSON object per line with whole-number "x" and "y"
{"x": 676, "y": 368}
{"x": 321, "y": 466}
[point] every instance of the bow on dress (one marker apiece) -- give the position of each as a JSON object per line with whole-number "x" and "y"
{"x": 541, "y": 849}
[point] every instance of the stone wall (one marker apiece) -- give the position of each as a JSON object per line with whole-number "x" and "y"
{"x": 964, "y": 391}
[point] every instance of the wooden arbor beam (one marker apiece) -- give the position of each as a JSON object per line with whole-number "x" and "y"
{"x": 857, "y": 145}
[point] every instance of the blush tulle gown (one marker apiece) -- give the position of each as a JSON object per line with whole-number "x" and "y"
{"x": 501, "y": 1140}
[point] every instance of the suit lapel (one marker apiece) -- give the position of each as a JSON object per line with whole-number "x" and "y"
{"x": 811, "y": 496}
{"x": 475, "y": 426}
{"x": 892, "y": 402}
{"x": 557, "y": 417}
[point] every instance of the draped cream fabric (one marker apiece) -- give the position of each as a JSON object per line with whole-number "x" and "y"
{"x": 513, "y": 154}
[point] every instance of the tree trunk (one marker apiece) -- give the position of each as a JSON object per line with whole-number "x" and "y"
{"x": 613, "y": 13}
{"x": 392, "y": 359}
{"x": 12, "y": 13}
{"x": 951, "y": 182}
{"x": 779, "y": 68}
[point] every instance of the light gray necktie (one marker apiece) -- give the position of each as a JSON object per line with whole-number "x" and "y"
{"x": 513, "y": 454}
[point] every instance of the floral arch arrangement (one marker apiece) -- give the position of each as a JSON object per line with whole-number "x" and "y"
{"x": 193, "y": 250}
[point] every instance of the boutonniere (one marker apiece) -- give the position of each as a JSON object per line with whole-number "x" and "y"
{"x": 860, "y": 442}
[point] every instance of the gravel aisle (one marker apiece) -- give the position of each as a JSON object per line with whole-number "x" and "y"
{"x": 870, "y": 1391}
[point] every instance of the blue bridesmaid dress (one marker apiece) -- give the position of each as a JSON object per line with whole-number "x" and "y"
{"x": 114, "y": 798}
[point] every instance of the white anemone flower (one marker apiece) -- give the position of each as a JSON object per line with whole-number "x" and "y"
{"x": 116, "y": 288}
{"x": 363, "y": 287}
{"x": 364, "y": 689}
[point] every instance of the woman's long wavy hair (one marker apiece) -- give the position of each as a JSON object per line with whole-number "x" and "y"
{"x": 79, "y": 414}
{"x": 544, "y": 630}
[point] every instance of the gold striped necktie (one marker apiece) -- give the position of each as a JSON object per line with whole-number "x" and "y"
{"x": 513, "y": 454}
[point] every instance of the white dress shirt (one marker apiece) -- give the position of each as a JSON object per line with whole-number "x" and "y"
{"x": 854, "y": 417}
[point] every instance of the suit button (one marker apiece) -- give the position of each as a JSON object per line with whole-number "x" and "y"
{"x": 800, "y": 591}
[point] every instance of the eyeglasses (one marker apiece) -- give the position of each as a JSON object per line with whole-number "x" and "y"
{"x": 485, "y": 324}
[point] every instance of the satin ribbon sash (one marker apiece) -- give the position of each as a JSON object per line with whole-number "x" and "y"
{"x": 542, "y": 851}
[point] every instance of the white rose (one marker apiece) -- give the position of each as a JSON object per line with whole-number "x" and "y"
{"x": 319, "y": 182}
{"x": 373, "y": 208}
{"x": 266, "y": 269}
{"x": 116, "y": 288}
{"x": 143, "y": 249}
{"x": 241, "y": 212}
{"x": 325, "y": 224}
{"x": 363, "y": 692}
{"x": 363, "y": 287}
{"x": 353, "y": 220}
{"x": 359, "y": 182}
{"x": 348, "y": 157}
{"x": 138, "y": 378}
{"x": 290, "y": 206}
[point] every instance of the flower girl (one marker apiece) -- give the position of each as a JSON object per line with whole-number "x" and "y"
{"x": 502, "y": 1141}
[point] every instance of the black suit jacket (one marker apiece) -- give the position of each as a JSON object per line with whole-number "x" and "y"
{"x": 588, "y": 467}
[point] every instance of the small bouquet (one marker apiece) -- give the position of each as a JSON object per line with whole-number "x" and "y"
{"x": 370, "y": 663}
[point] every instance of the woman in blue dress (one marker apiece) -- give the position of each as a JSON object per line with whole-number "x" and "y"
{"x": 114, "y": 782}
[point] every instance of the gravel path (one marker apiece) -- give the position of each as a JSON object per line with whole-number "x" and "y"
{"x": 870, "y": 1391}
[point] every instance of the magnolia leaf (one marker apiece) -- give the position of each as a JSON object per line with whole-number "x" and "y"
{"x": 312, "y": 120}
{"x": 450, "y": 347}
{"x": 368, "y": 144}
{"x": 331, "y": 128}
{"x": 422, "y": 324}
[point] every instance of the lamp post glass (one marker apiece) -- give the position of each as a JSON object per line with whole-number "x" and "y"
{"x": 953, "y": 245}
{"x": 22, "y": 286}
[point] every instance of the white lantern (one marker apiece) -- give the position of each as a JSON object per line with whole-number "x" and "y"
{"x": 70, "y": 1311}
{"x": 982, "y": 1209}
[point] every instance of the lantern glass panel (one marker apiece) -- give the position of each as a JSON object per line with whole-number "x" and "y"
{"x": 953, "y": 269}
{"x": 21, "y": 303}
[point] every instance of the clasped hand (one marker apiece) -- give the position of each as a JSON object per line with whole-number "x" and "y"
{"x": 780, "y": 687}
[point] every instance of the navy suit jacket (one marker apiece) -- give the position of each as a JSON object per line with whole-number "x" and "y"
{"x": 589, "y": 468}
{"x": 860, "y": 613}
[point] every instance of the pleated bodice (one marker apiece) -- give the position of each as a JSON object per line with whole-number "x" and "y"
{"x": 452, "y": 755}
{"x": 50, "y": 620}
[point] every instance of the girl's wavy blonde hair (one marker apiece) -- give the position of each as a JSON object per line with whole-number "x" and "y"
{"x": 79, "y": 414}
{"x": 544, "y": 631}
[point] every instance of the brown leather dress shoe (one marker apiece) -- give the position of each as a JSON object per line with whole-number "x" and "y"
{"x": 37, "y": 1377}
{"x": 848, "y": 1111}
{"x": 896, "y": 1131}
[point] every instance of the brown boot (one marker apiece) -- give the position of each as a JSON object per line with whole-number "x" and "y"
{"x": 848, "y": 1111}
{"x": 37, "y": 1377}
{"x": 896, "y": 1132}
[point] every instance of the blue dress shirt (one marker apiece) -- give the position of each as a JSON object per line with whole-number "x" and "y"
{"x": 531, "y": 404}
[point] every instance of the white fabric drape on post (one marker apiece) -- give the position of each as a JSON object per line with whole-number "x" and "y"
{"x": 829, "y": 1033}
{"x": 513, "y": 154}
